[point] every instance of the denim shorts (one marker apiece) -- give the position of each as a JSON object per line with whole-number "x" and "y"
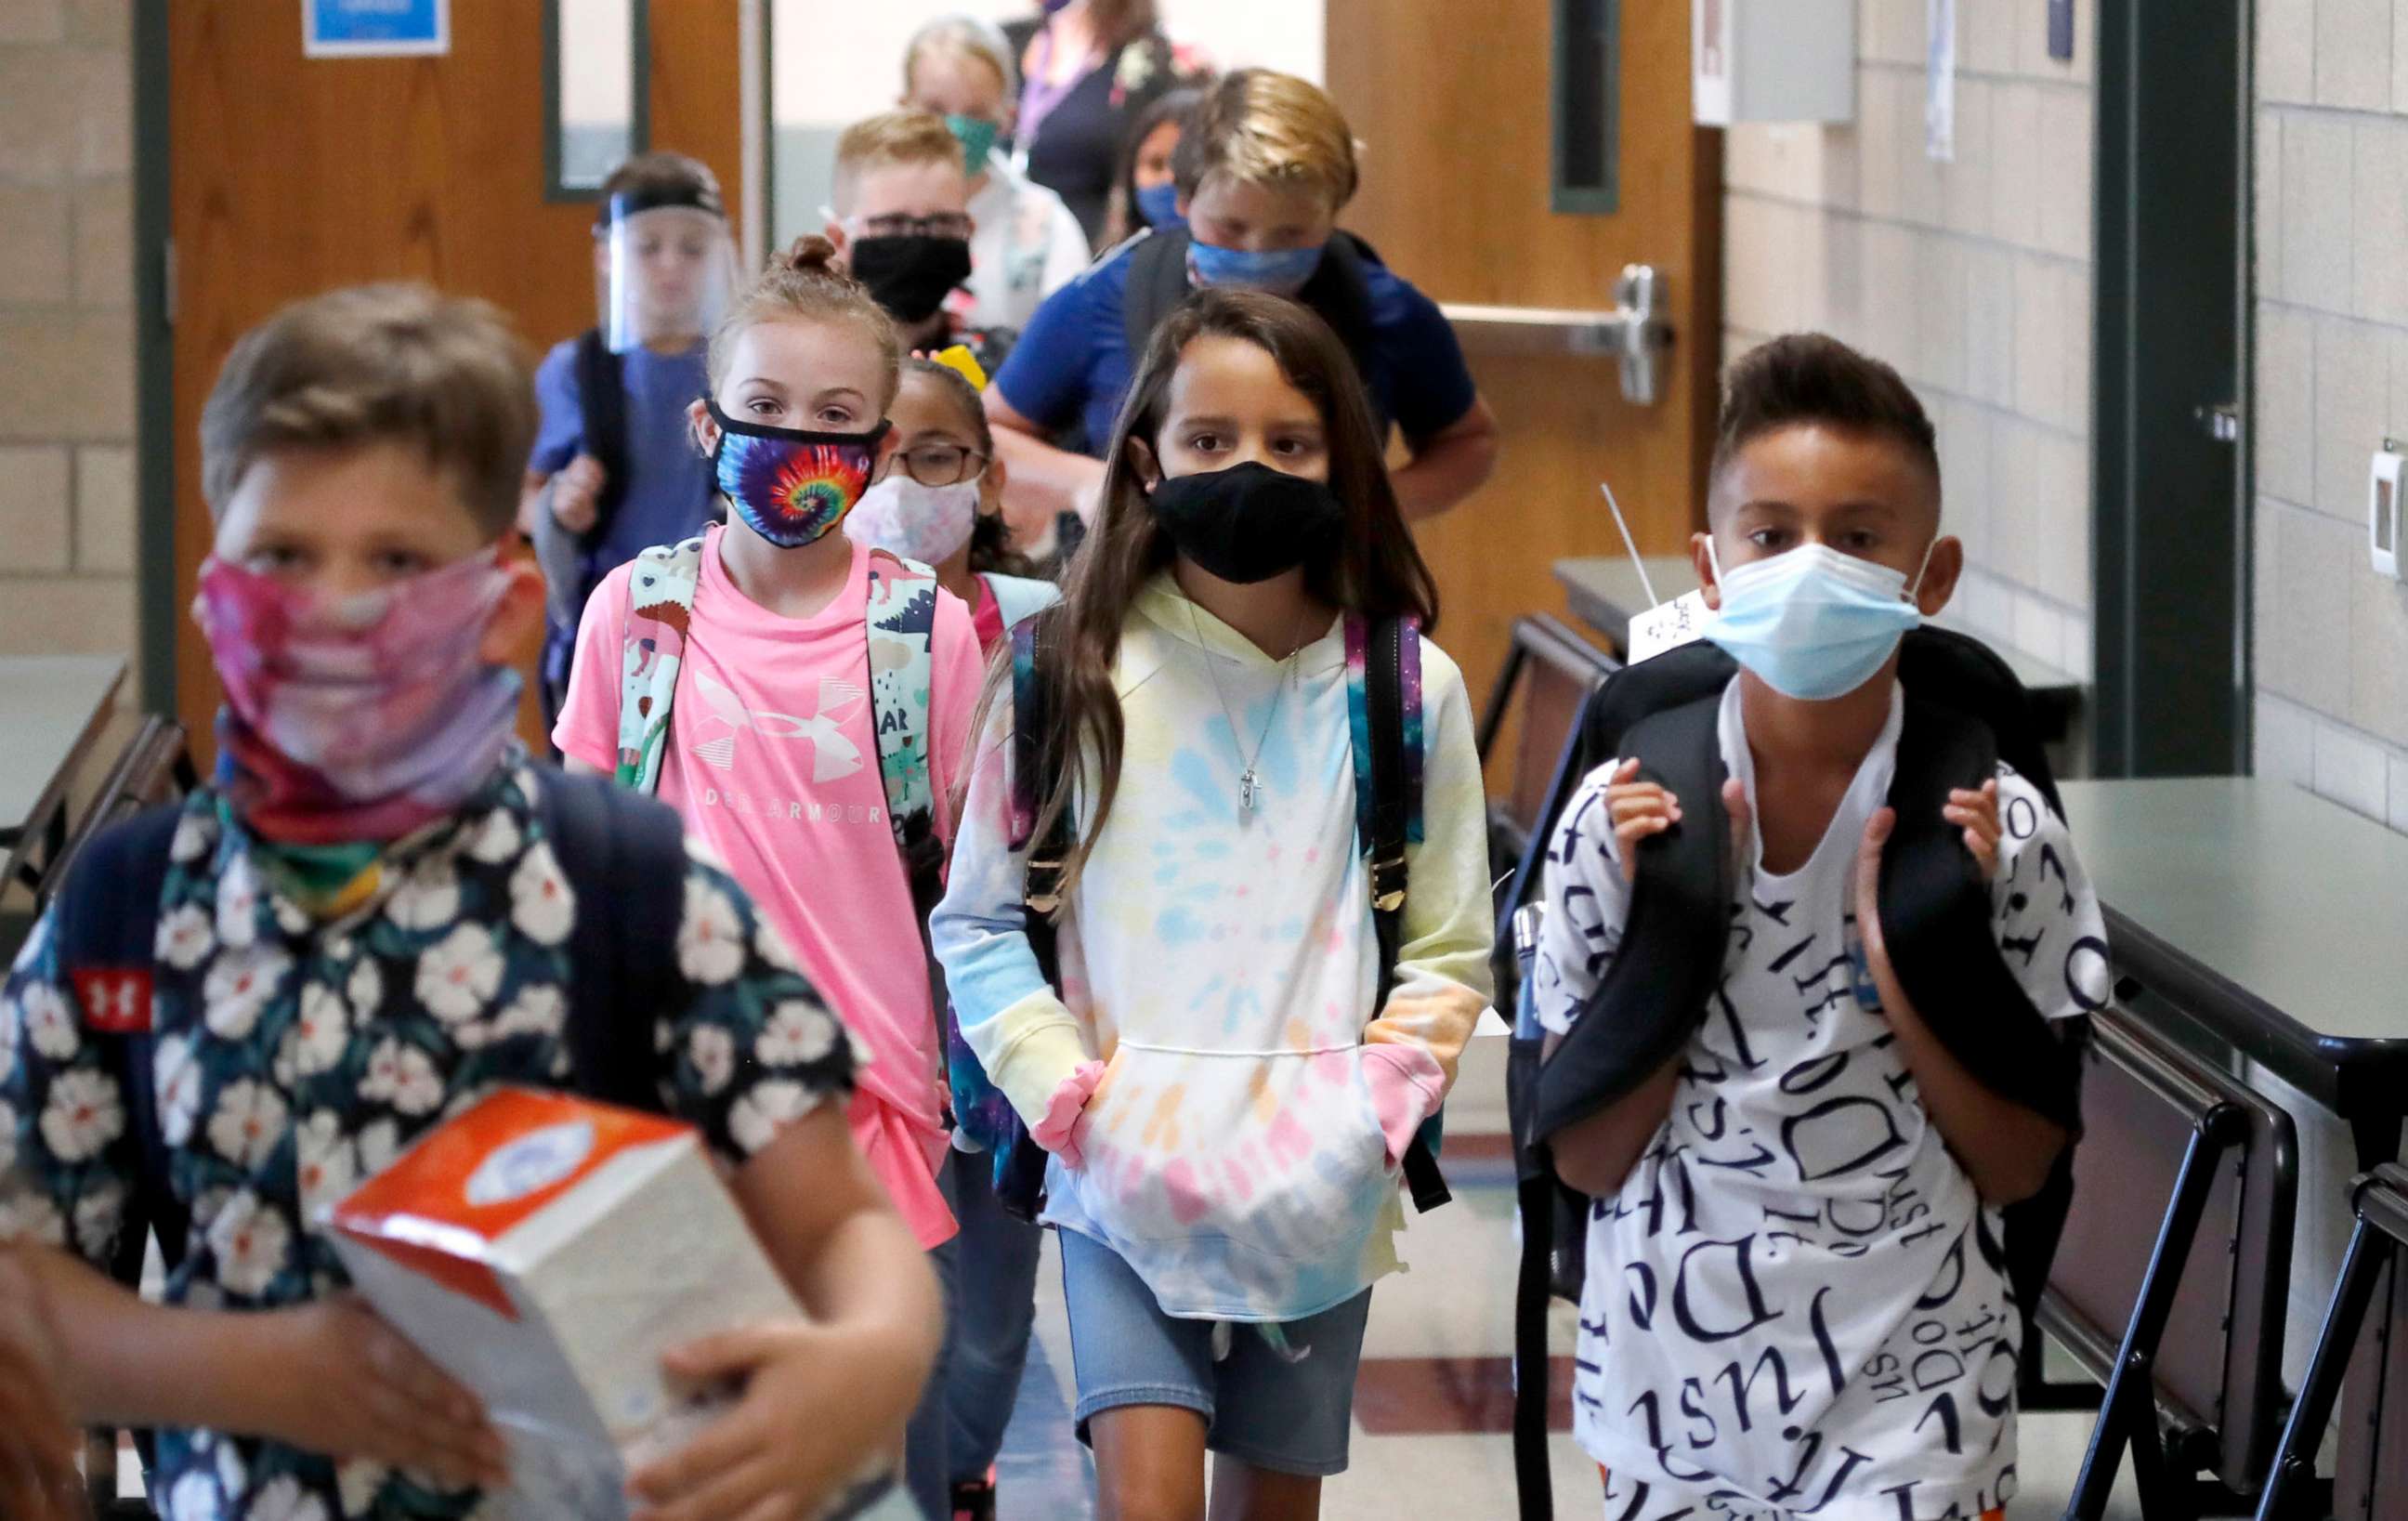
{"x": 1258, "y": 1407}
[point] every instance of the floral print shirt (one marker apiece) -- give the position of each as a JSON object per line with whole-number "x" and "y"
{"x": 293, "y": 1058}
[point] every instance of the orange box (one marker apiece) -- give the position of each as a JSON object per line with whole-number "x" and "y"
{"x": 545, "y": 1251}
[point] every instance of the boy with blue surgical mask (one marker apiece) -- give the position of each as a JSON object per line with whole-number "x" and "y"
{"x": 1263, "y": 169}
{"x": 1831, "y": 1174}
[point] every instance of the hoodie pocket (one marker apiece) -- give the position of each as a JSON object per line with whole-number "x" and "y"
{"x": 1280, "y": 1154}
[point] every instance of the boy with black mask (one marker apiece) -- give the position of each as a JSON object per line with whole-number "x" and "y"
{"x": 902, "y": 222}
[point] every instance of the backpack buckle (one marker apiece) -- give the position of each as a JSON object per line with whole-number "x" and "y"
{"x": 1388, "y": 883}
{"x": 1042, "y": 892}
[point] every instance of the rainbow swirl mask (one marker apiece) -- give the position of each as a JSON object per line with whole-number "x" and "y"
{"x": 792, "y": 486}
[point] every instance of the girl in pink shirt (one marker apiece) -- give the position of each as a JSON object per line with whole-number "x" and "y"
{"x": 770, "y": 753}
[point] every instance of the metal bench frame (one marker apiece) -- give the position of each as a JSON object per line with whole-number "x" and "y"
{"x": 2189, "y": 1462}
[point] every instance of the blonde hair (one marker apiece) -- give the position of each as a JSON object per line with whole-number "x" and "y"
{"x": 379, "y": 363}
{"x": 964, "y": 37}
{"x": 805, "y": 284}
{"x": 1261, "y": 127}
{"x": 892, "y": 138}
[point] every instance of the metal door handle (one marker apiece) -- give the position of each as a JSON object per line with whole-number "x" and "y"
{"x": 1636, "y": 332}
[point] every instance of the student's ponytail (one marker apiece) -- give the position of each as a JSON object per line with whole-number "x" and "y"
{"x": 808, "y": 283}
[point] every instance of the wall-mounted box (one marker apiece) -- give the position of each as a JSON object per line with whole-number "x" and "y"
{"x": 1773, "y": 60}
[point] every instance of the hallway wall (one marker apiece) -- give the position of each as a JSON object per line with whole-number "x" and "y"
{"x": 66, "y": 327}
{"x": 1973, "y": 277}
{"x": 2331, "y": 382}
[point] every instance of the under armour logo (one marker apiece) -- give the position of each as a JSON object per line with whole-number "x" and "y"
{"x": 832, "y": 754}
{"x": 115, "y": 1002}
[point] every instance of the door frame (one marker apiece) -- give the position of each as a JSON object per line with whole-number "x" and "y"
{"x": 2174, "y": 337}
{"x": 155, "y": 611}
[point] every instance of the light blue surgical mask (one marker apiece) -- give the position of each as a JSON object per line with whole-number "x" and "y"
{"x": 1279, "y": 271}
{"x": 1811, "y": 622}
{"x": 1159, "y": 205}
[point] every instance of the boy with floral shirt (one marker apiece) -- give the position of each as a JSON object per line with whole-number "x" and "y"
{"x": 367, "y": 921}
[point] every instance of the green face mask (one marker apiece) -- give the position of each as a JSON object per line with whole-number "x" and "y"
{"x": 978, "y": 138}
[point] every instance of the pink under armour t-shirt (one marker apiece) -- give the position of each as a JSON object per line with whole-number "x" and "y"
{"x": 772, "y": 761}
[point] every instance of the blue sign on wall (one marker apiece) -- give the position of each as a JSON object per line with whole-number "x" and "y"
{"x": 374, "y": 28}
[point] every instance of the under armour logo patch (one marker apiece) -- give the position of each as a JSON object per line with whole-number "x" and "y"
{"x": 115, "y": 1002}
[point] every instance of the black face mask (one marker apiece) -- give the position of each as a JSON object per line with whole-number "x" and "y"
{"x": 911, "y": 276}
{"x": 1250, "y": 523}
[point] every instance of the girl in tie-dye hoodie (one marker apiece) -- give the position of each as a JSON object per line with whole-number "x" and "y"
{"x": 1226, "y": 1099}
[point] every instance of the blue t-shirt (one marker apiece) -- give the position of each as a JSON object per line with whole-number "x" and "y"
{"x": 671, "y": 494}
{"x": 1073, "y": 363}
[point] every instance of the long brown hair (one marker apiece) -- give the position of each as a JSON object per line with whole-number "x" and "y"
{"x": 1376, "y": 573}
{"x": 1120, "y": 22}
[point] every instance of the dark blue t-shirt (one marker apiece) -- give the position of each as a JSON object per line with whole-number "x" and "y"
{"x": 671, "y": 494}
{"x": 1073, "y": 366}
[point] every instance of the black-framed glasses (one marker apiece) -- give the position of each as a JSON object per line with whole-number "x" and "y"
{"x": 897, "y": 225}
{"x": 939, "y": 464}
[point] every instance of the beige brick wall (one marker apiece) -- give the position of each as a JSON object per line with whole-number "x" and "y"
{"x": 2331, "y": 382}
{"x": 66, "y": 327}
{"x": 1973, "y": 277}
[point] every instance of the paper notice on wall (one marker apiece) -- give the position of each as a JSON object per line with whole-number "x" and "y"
{"x": 1940, "y": 83}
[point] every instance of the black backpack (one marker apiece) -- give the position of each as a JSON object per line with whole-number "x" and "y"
{"x": 1385, "y": 827}
{"x": 624, "y": 855}
{"x": 602, "y": 419}
{"x": 1965, "y": 712}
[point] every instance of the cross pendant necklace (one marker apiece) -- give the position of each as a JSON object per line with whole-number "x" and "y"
{"x": 1248, "y": 779}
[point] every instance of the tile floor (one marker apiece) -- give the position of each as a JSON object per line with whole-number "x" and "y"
{"x": 1434, "y": 1383}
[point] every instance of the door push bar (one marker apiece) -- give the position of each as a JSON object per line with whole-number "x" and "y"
{"x": 1636, "y": 332}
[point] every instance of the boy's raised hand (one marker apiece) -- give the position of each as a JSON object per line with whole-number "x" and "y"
{"x": 577, "y": 494}
{"x": 819, "y": 1402}
{"x": 1977, "y": 814}
{"x": 1639, "y": 809}
{"x": 349, "y": 1386}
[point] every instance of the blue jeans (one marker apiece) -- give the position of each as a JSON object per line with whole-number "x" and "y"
{"x": 927, "y": 1475}
{"x": 994, "y": 1309}
{"x": 1287, "y": 1413}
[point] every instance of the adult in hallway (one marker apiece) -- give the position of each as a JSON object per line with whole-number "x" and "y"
{"x": 1266, "y": 164}
{"x": 1089, "y": 67}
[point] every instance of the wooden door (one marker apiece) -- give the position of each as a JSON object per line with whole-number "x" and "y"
{"x": 294, "y": 176}
{"x": 1453, "y": 104}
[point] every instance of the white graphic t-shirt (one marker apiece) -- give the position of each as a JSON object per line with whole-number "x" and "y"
{"x": 1797, "y": 1305}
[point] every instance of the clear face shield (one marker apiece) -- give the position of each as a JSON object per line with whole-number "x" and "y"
{"x": 668, "y": 269}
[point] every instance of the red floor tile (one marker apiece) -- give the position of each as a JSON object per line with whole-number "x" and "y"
{"x": 1402, "y": 1397}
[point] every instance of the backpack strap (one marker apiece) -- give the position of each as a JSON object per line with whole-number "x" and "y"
{"x": 1936, "y": 921}
{"x": 901, "y": 619}
{"x": 1384, "y": 692}
{"x": 602, "y": 420}
{"x": 1157, "y": 282}
{"x": 1674, "y": 937}
{"x": 1019, "y": 1162}
{"x": 626, "y": 859}
{"x": 660, "y": 610}
{"x": 105, "y": 918}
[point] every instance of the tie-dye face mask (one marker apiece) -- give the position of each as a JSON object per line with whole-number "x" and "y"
{"x": 793, "y": 486}
{"x": 356, "y": 718}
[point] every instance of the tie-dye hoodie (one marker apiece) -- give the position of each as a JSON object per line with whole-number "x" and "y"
{"x": 1226, "y": 1111}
